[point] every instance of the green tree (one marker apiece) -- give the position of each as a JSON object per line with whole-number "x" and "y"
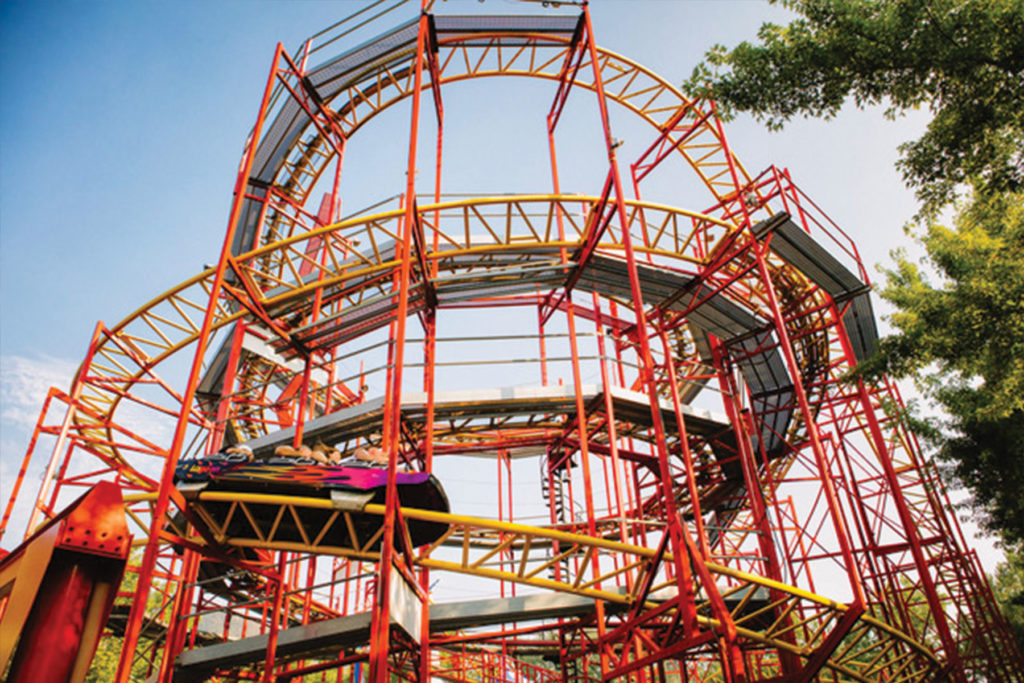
{"x": 1008, "y": 586}
{"x": 962, "y": 337}
{"x": 959, "y": 325}
{"x": 963, "y": 59}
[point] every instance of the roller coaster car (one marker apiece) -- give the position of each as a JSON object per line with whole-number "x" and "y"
{"x": 350, "y": 486}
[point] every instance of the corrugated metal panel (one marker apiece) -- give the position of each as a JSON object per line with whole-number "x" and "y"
{"x": 485, "y": 404}
{"x": 504, "y": 273}
{"x": 859, "y": 321}
{"x": 797, "y": 248}
{"x": 559, "y": 25}
{"x": 385, "y": 51}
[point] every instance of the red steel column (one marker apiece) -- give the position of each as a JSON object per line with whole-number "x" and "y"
{"x": 821, "y": 460}
{"x": 733, "y": 657}
{"x": 176, "y": 631}
{"x": 430, "y": 357}
{"x": 577, "y": 383}
{"x": 52, "y": 635}
{"x": 138, "y": 610}
{"x": 275, "y": 619}
{"x": 216, "y": 439}
{"x": 380, "y": 623}
{"x": 76, "y": 392}
{"x": 19, "y": 480}
{"x": 755, "y": 493}
{"x": 903, "y": 511}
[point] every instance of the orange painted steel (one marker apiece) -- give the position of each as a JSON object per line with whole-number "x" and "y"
{"x": 57, "y": 589}
{"x": 714, "y": 482}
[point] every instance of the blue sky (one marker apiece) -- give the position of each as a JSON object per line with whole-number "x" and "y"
{"x": 122, "y": 123}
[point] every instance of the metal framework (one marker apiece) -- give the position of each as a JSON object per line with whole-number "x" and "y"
{"x": 718, "y": 501}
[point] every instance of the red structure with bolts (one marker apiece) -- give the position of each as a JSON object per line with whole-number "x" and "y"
{"x": 719, "y": 498}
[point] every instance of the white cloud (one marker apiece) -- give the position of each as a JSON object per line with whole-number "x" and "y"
{"x": 24, "y": 382}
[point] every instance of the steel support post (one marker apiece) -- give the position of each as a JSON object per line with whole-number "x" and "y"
{"x": 20, "y": 478}
{"x": 567, "y": 75}
{"x": 755, "y": 492}
{"x": 903, "y": 511}
{"x": 686, "y": 454}
{"x": 177, "y": 628}
{"x": 380, "y": 641}
{"x": 52, "y": 637}
{"x": 613, "y": 437}
{"x": 159, "y": 516}
{"x": 216, "y": 438}
{"x": 69, "y": 416}
{"x": 733, "y": 659}
{"x": 275, "y": 619}
{"x": 778, "y": 321}
{"x": 818, "y": 450}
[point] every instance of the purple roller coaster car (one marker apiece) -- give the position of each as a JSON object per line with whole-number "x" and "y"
{"x": 305, "y": 478}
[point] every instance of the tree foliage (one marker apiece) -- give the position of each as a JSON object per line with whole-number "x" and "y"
{"x": 963, "y": 59}
{"x": 959, "y": 325}
{"x": 1008, "y": 586}
{"x": 962, "y": 337}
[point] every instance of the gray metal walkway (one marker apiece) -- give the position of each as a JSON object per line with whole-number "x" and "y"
{"x": 329, "y": 636}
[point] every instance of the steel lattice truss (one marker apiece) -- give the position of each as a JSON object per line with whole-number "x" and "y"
{"x": 744, "y": 476}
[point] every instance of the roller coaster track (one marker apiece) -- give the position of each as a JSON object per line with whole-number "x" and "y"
{"x": 505, "y": 243}
{"x": 359, "y": 97}
{"x": 486, "y": 233}
{"x": 304, "y": 290}
{"x": 129, "y": 351}
{"x": 871, "y": 650}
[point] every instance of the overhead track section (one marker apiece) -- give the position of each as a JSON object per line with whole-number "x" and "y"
{"x": 353, "y": 87}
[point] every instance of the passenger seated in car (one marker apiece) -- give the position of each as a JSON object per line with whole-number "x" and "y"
{"x": 325, "y": 455}
{"x": 303, "y": 451}
{"x": 372, "y": 454}
{"x": 240, "y": 450}
{"x": 319, "y": 453}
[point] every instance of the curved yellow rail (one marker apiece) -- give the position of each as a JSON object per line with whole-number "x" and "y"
{"x": 485, "y": 55}
{"x": 767, "y": 614}
{"x": 476, "y": 227}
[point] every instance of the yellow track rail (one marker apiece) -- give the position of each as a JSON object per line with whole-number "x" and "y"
{"x": 479, "y": 228}
{"x": 792, "y": 619}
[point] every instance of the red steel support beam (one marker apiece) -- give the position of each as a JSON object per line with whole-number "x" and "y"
{"x": 755, "y": 492}
{"x": 158, "y": 519}
{"x": 639, "y": 168}
{"x": 216, "y": 438}
{"x": 76, "y": 392}
{"x": 574, "y": 54}
{"x": 732, "y": 657}
{"x": 594, "y": 230}
{"x": 319, "y": 113}
{"x": 565, "y": 81}
{"x": 381, "y": 621}
{"x": 39, "y": 429}
{"x": 823, "y": 652}
{"x": 821, "y": 459}
{"x": 59, "y": 586}
{"x": 907, "y": 522}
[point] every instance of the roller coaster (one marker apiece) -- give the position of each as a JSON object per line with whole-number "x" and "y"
{"x": 720, "y": 497}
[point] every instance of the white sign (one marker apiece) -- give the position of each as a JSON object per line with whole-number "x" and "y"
{"x": 406, "y": 606}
